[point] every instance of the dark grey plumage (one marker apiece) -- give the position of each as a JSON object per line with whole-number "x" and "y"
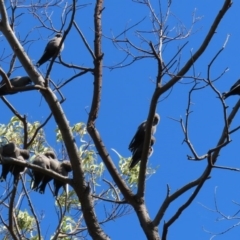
{"x": 139, "y": 136}
{"x": 51, "y": 50}
{"x": 137, "y": 154}
{"x": 234, "y": 90}
{"x": 64, "y": 168}
{"x": 50, "y": 154}
{"x": 49, "y": 161}
{"x": 16, "y": 82}
{"x": 41, "y": 160}
{"x": 11, "y": 150}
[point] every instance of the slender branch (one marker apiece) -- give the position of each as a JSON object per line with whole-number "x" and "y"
{"x": 72, "y": 78}
{"x": 159, "y": 90}
{"x": 170, "y": 198}
{"x": 31, "y": 207}
{"x": 63, "y": 38}
{"x": 203, "y": 178}
{"x": 96, "y": 105}
{"x": 60, "y": 221}
{"x": 11, "y": 210}
{"x": 68, "y": 65}
{"x": 38, "y": 129}
{"x": 114, "y": 189}
{"x": 227, "y": 4}
{"x": 109, "y": 200}
{"x": 84, "y": 39}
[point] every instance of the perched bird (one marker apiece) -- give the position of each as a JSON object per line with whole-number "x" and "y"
{"x": 51, "y": 50}
{"x": 139, "y": 136}
{"x": 42, "y": 160}
{"x": 49, "y": 161}
{"x": 16, "y": 82}
{"x": 137, "y": 154}
{"x": 11, "y": 150}
{"x": 62, "y": 168}
{"x": 234, "y": 90}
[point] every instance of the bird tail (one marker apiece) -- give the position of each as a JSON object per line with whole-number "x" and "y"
{"x": 33, "y": 185}
{"x": 133, "y": 162}
{"x": 225, "y": 95}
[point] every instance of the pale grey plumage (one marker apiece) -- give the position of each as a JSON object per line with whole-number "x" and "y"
{"x": 51, "y": 50}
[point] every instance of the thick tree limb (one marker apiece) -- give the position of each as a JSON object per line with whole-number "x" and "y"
{"x": 79, "y": 184}
{"x": 59, "y": 177}
{"x": 96, "y": 105}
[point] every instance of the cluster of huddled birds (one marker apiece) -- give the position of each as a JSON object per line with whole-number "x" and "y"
{"x": 48, "y": 159}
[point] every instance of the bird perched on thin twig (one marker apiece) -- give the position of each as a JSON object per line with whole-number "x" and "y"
{"x": 234, "y": 90}
{"x": 137, "y": 154}
{"x": 51, "y": 50}
{"x": 16, "y": 82}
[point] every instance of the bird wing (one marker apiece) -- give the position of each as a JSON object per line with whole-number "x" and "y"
{"x": 137, "y": 153}
{"x": 53, "y": 45}
{"x": 51, "y": 50}
{"x": 235, "y": 85}
{"x": 136, "y": 156}
{"x": 20, "y": 81}
{"x": 138, "y": 137}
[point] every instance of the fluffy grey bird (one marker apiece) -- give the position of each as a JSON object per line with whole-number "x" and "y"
{"x": 51, "y": 50}
{"x": 137, "y": 154}
{"x": 139, "y": 136}
{"x": 39, "y": 180}
{"x": 11, "y": 150}
{"x": 16, "y": 82}
{"x": 234, "y": 90}
{"x": 49, "y": 161}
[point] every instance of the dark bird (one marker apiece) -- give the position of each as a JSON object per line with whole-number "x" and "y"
{"x": 137, "y": 154}
{"x": 16, "y": 82}
{"x": 42, "y": 160}
{"x": 11, "y": 150}
{"x": 139, "y": 136}
{"x": 234, "y": 90}
{"x": 49, "y": 161}
{"x": 51, "y": 50}
{"x": 63, "y": 168}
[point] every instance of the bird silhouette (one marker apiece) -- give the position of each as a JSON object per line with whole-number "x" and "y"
{"x": 51, "y": 50}
{"x": 234, "y": 90}
{"x": 139, "y": 136}
{"x": 137, "y": 154}
{"x": 11, "y": 150}
{"x": 16, "y": 82}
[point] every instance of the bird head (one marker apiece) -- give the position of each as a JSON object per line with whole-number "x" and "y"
{"x": 58, "y": 35}
{"x": 156, "y": 119}
{"x": 50, "y": 154}
{"x": 67, "y": 165}
{"x": 153, "y": 140}
{"x": 28, "y": 80}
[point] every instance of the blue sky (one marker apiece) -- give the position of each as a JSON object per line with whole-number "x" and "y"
{"x": 126, "y": 96}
